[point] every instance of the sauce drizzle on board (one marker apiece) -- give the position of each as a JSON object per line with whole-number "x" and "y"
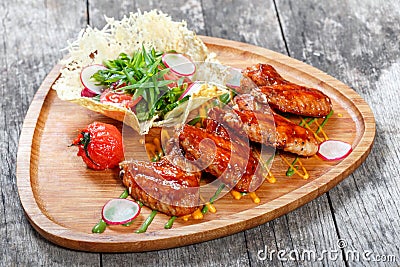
{"x": 52, "y": 210}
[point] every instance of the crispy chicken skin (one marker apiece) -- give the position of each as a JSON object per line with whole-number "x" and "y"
{"x": 283, "y": 95}
{"x": 294, "y": 138}
{"x": 228, "y": 159}
{"x": 162, "y": 186}
{"x": 267, "y": 127}
{"x": 252, "y": 177}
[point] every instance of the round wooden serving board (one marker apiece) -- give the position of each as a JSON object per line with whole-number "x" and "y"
{"x": 63, "y": 199}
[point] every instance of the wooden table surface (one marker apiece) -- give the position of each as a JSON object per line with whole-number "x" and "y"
{"x": 355, "y": 41}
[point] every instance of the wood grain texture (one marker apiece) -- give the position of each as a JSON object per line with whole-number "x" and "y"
{"x": 49, "y": 127}
{"x": 245, "y": 21}
{"x": 32, "y": 33}
{"x": 354, "y": 41}
{"x": 206, "y": 254}
{"x": 262, "y": 28}
{"x": 253, "y": 22}
{"x": 367, "y": 58}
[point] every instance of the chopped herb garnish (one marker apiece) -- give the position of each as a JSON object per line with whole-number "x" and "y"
{"x": 170, "y": 222}
{"x": 147, "y": 222}
{"x": 142, "y": 75}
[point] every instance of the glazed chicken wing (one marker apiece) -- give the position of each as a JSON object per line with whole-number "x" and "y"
{"x": 267, "y": 127}
{"x": 283, "y": 95}
{"x": 229, "y": 159}
{"x": 162, "y": 186}
{"x": 252, "y": 177}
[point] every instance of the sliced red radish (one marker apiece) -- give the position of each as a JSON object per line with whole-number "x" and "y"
{"x": 87, "y": 93}
{"x": 120, "y": 211}
{"x": 179, "y": 64}
{"x": 88, "y": 82}
{"x": 192, "y": 89}
{"x": 334, "y": 150}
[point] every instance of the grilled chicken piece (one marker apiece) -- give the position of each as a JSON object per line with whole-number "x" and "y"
{"x": 267, "y": 127}
{"x": 162, "y": 186}
{"x": 283, "y": 95}
{"x": 229, "y": 159}
{"x": 294, "y": 138}
{"x": 252, "y": 177}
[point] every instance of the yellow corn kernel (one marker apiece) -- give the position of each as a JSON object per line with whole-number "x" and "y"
{"x": 211, "y": 208}
{"x": 270, "y": 178}
{"x": 197, "y": 215}
{"x": 340, "y": 115}
{"x": 236, "y": 195}
{"x": 186, "y": 217}
{"x": 254, "y": 197}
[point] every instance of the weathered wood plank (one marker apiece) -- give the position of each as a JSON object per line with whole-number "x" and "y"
{"x": 204, "y": 254}
{"x": 224, "y": 21}
{"x": 32, "y": 32}
{"x": 357, "y": 42}
{"x": 253, "y": 22}
{"x": 323, "y": 34}
{"x": 310, "y": 227}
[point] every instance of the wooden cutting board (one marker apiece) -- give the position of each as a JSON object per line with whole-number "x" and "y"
{"x": 63, "y": 199}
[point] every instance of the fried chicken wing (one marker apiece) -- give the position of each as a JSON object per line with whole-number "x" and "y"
{"x": 228, "y": 159}
{"x": 162, "y": 186}
{"x": 267, "y": 127}
{"x": 252, "y": 177}
{"x": 283, "y": 95}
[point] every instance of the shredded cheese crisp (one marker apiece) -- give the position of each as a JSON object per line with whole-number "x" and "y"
{"x": 150, "y": 29}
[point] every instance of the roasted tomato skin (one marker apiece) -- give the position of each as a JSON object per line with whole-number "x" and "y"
{"x": 100, "y": 146}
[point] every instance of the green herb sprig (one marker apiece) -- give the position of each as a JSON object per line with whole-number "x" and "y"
{"x": 142, "y": 75}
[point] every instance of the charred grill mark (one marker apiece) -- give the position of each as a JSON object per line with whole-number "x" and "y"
{"x": 283, "y": 95}
{"x": 162, "y": 186}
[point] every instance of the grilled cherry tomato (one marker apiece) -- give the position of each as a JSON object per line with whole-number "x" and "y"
{"x": 100, "y": 146}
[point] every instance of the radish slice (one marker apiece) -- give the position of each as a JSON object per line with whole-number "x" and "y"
{"x": 334, "y": 150}
{"x": 87, "y": 93}
{"x": 179, "y": 64}
{"x": 120, "y": 211}
{"x": 192, "y": 88}
{"x": 87, "y": 80}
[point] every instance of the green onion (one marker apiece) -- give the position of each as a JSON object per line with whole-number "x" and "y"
{"x": 213, "y": 198}
{"x": 195, "y": 120}
{"x": 142, "y": 74}
{"x": 225, "y": 98}
{"x": 170, "y": 222}
{"x": 124, "y": 194}
{"x": 147, "y": 222}
{"x": 324, "y": 121}
{"x": 100, "y": 227}
{"x": 290, "y": 171}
